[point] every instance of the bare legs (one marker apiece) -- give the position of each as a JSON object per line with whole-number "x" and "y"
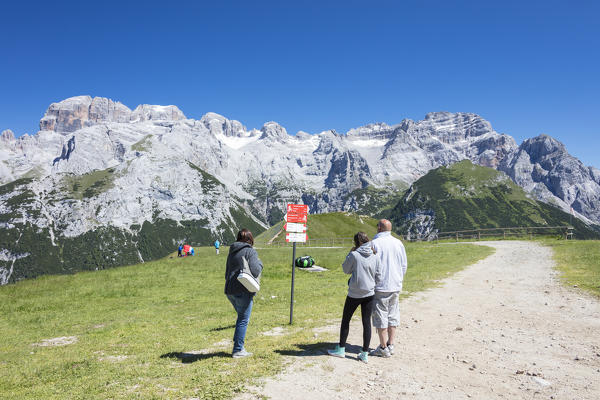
{"x": 386, "y": 336}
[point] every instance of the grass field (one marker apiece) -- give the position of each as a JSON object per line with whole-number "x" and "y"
{"x": 161, "y": 329}
{"x": 579, "y": 262}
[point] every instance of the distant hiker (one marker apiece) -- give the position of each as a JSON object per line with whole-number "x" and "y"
{"x": 179, "y": 251}
{"x": 217, "y": 245}
{"x": 238, "y": 295}
{"x": 386, "y": 313}
{"x": 186, "y": 250}
{"x": 365, "y": 268}
{"x": 191, "y": 251}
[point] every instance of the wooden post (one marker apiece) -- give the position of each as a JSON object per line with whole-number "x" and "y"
{"x": 478, "y": 235}
{"x": 504, "y": 231}
{"x": 457, "y": 236}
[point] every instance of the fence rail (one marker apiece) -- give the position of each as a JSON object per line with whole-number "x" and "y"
{"x": 520, "y": 231}
{"x": 317, "y": 242}
{"x": 471, "y": 234}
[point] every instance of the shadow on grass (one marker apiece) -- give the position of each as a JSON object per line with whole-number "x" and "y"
{"x": 318, "y": 349}
{"x": 187, "y": 358}
{"x": 222, "y": 328}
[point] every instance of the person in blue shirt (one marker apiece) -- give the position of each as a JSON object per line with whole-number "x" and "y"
{"x": 217, "y": 245}
{"x": 180, "y": 251}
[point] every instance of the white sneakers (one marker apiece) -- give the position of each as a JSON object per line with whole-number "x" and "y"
{"x": 241, "y": 354}
{"x": 381, "y": 352}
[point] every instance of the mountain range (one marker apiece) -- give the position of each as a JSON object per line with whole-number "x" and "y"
{"x": 102, "y": 185}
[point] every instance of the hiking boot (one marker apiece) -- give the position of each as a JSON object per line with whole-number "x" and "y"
{"x": 241, "y": 354}
{"x": 391, "y": 349}
{"x": 338, "y": 351}
{"x": 381, "y": 352}
{"x": 363, "y": 356}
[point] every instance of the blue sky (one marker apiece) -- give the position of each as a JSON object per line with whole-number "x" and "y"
{"x": 529, "y": 67}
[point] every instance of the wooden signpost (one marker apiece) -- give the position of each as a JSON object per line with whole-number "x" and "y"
{"x": 295, "y": 228}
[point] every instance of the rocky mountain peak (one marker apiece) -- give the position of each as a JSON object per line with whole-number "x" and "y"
{"x": 219, "y": 125}
{"x": 105, "y": 110}
{"x": 448, "y": 124}
{"x": 274, "y": 131}
{"x": 68, "y": 115}
{"x": 79, "y": 112}
{"x": 7, "y": 135}
{"x": 595, "y": 173}
{"x": 543, "y": 166}
{"x": 329, "y": 142}
{"x": 370, "y": 130}
{"x": 543, "y": 146}
{"x": 303, "y": 135}
{"x": 147, "y": 112}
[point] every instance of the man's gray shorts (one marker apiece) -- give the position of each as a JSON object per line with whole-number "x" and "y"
{"x": 387, "y": 310}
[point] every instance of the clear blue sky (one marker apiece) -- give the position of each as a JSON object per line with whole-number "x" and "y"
{"x": 529, "y": 67}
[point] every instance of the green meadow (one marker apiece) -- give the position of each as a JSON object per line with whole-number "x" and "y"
{"x": 579, "y": 263}
{"x": 163, "y": 329}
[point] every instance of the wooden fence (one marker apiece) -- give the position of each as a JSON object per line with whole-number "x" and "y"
{"x": 523, "y": 232}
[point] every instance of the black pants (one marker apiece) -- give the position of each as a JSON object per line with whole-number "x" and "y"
{"x": 366, "y": 309}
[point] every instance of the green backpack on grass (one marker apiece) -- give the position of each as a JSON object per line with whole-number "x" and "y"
{"x": 304, "y": 262}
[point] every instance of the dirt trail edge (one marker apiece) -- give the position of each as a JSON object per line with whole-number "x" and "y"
{"x": 504, "y": 327}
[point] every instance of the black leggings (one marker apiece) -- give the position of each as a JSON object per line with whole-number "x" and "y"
{"x": 366, "y": 309}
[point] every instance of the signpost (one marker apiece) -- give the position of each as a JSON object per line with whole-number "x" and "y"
{"x": 295, "y": 227}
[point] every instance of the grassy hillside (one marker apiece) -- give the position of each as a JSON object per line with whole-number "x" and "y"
{"x": 467, "y": 196}
{"x": 374, "y": 201}
{"x": 326, "y": 226}
{"x": 163, "y": 329}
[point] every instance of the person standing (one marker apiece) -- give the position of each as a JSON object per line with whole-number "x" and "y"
{"x": 364, "y": 267}
{"x": 217, "y": 245}
{"x": 386, "y": 312}
{"x": 237, "y": 294}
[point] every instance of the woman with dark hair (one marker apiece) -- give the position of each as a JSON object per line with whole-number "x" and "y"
{"x": 364, "y": 266}
{"x": 238, "y": 295}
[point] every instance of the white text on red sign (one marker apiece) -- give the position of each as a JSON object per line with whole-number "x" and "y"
{"x": 296, "y": 237}
{"x": 295, "y": 227}
{"x": 296, "y": 218}
{"x": 297, "y": 209}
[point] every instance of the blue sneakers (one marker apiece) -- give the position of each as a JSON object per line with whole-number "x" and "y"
{"x": 338, "y": 351}
{"x": 363, "y": 356}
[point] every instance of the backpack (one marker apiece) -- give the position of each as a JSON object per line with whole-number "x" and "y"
{"x": 304, "y": 262}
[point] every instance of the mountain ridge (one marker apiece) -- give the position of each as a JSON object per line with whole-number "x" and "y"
{"x": 100, "y": 165}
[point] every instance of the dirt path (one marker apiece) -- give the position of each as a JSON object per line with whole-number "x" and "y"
{"x": 502, "y": 328}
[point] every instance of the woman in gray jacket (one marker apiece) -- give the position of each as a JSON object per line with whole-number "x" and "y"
{"x": 364, "y": 266}
{"x": 238, "y": 295}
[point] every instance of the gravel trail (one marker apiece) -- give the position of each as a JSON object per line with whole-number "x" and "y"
{"x": 503, "y": 328}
